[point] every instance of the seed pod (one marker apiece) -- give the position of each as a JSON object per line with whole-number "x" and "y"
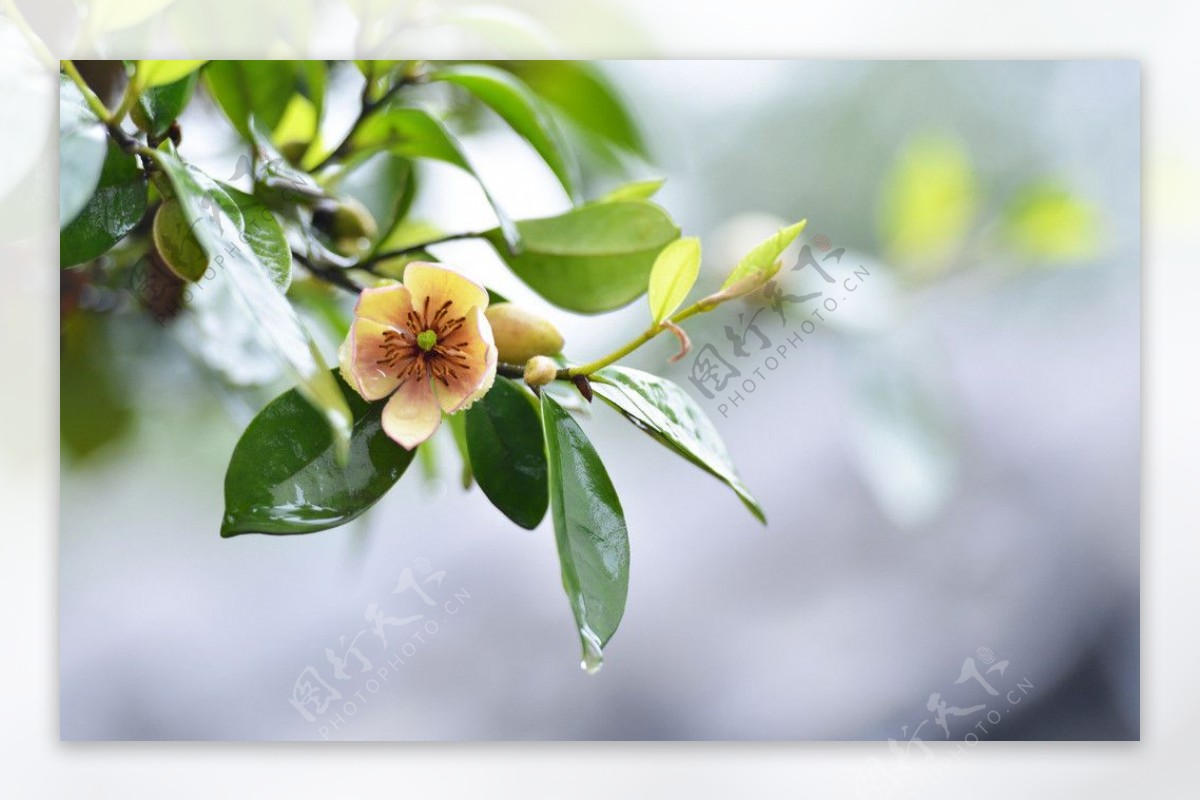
{"x": 521, "y": 335}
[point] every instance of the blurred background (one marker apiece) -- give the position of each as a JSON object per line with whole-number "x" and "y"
{"x": 948, "y": 461}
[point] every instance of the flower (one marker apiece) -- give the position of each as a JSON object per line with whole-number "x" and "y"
{"x": 424, "y": 342}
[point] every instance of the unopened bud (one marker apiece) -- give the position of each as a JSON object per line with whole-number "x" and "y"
{"x": 539, "y": 371}
{"x": 521, "y": 335}
{"x": 345, "y": 220}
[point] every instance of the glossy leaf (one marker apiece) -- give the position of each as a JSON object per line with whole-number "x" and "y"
{"x": 592, "y": 259}
{"x": 508, "y": 457}
{"x": 115, "y": 207}
{"x": 284, "y": 477}
{"x": 589, "y": 529}
{"x": 673, "y": 276}
{"x": 217, "y": 232}
{"x": 585, "y": 97}
{"x": 634, "y": 190}
{"x": 758, "y": 266}
{"x": 244, "y": 89}
{"x": 157, "y": 108}
{"x": 417, "y": 134}
{"x": 667, "y": 413}
{"x": 150, "y": 74}
{"x": 254, "y": 225}
{"x": 82, "y": 148}
{"x": 521, "y": 109}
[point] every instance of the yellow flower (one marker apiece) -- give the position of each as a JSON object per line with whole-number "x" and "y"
{"x": 426, "y": 343}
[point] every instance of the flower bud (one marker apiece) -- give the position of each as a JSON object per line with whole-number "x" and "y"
{"x": 521, "y": 335}
{"x": 347, "y": 222}
{"x": 539, "y": 371}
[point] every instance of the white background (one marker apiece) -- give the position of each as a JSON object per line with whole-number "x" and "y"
{"x": 1161, "y": 36}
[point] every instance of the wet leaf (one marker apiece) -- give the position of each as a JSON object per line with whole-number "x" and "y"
{"x": 82, "y": 148}
{"x": 589, "y": 529}
{"x": 284, "y": 476}
{"x": 507, "y": 454}
{"x": 668, "y": 414}
{"x": 157, "y": 108}
{"x": 115, "y": 207}
{"x": 254, "y": 225}
{"x": 217, "y": 232}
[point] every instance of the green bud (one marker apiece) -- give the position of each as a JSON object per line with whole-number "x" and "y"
{"x": 521, "y": 335}
{"x": 539, "y": 371}
{"x": 345, "y": 220}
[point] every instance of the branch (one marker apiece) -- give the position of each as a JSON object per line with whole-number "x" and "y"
{"x": 331, "y": 275}
{"x": 368, "y": 108}
{"x": 367, "y": 264}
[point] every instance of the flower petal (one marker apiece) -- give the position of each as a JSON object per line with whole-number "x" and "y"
{"x": 439, "y": 285}
{"x": 473, "y": 354}
{"x": 370, "y": 359}
{"x": 388, "y": 305}
{"x": 412, "y": 414}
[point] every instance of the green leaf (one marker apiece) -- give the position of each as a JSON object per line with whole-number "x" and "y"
{"x": 673, "y": 276}
{"x": 635, "y": 190}
{"x": 585, "y": 97}
{"x": 157, "y": 108}
{"x": 589, "y": 529}
{"x": 415, "y": 133}
{"x": 667, "y": 413}
{"x": 284, "y": 476}
{"x": 757, "y": 267}
{"x": 1046, "y": 222}
{"x": 242, "y": 89}
{"x": 254, "y": 225}
{"x": 82, "y": 149}
{"x": 927, "y": 204}
{"x": 115, "y": 207}
{"x": 508, "y": 457}
{"x": 265, "y": 236}
{"x": 522, "y": 110}
{"x": 160, "y": 73}
{"x": 217, "y": 232}
{"x": 594, "y": 258}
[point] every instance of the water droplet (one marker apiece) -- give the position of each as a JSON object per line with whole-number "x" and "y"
{"x": 593, "y": 656}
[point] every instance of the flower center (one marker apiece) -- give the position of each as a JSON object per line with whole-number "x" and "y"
{"x": 427, "y": 339}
